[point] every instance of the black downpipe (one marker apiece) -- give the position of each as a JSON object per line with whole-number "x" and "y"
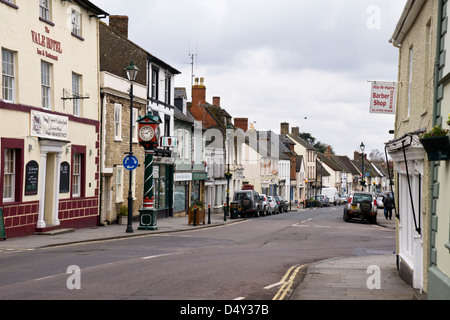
{"x": 419, "y": 231}
{"x": 397, "y": 214}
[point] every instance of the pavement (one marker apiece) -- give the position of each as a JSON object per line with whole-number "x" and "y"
{"x": 366, "y": 277}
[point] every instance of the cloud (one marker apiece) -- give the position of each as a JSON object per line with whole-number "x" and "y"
{"x": 282, "y": 61}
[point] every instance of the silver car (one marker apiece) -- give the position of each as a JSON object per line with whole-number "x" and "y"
{"x": 361, "y": 205}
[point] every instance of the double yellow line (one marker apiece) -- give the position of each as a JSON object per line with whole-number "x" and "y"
{"x": 286, "y": 287}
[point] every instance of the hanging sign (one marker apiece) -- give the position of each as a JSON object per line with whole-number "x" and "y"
{"x": 383, "y": 97}
{"x": 50, "y": 126}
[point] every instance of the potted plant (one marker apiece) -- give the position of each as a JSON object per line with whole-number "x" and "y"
{"x": 436, "y": 143}
{"x": 122, "y": 216}
{"x": 199, "y": 214}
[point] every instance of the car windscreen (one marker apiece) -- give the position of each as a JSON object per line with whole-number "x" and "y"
{"x": 360, "y": 197}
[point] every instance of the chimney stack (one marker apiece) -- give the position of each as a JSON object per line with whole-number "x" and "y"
{"x": 216, "y": 101}
{"x": 120, "y": 24}
{"x": 241, "y": 123}
{"x": 296, "y": 130}
{"x": 284, "y": 128}
{"x": 198, "y": 92}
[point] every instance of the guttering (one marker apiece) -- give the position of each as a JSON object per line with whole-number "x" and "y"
{"x": 407, "y": 19}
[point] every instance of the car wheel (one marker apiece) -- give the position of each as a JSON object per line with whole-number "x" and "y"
{"x": 346, "y": 217}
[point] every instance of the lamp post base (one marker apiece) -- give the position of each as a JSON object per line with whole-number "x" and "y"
{"x": 147, "y": 219}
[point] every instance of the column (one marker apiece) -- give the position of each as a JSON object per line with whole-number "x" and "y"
{"x": 42, "y": 180}
{"x": 56, "y": 183}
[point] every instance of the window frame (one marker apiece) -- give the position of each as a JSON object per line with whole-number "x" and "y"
{"x": 76, "y": 23}
{"x": 117, "y": 119}
{"x": 11, "y": 77}
{"x": 18, "y": 146}
{"x": 81, "y": 152}
{"x": 46, "y": 88}
{"x": 76, "y": 92}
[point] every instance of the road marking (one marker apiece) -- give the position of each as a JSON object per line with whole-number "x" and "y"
{"x": 158, "y": 256}
{"x": 240, "y": 298}
{"x": 44, "y": 278}
{"x": 288, "y": 284}
{"x": 323, "y": 226}
{"x": 273, "y": 285}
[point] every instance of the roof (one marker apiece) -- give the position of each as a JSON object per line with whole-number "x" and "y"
{"x": 92, "y": 7}
{"x": 297, "y": 139}
{"x": 407, "y": 19}
{"x": 346, "y": 164}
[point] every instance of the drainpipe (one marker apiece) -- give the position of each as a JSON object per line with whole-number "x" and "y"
{"x": 435, "y": 115}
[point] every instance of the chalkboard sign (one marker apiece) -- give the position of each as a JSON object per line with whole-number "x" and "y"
{"x": 31, "y": 178}
{"x": 64, "y": 182}
{"x": 2, "y": 226}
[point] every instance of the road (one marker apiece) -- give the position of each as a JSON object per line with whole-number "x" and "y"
{"x": 247, "y": 260}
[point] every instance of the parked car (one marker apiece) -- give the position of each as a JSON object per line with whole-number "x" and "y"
{"x": 323, "y": 200}
{"x": 343, "y": 198}
{"x": 267, "y": 209}
{"x": 282, "y": 203}
{"x": 380, "y": 203}
{"x": 273, "y": 204}
{"x": 247, "y": 202}
{"x": 332, "y": 194}
{"x": 361, "y": 205}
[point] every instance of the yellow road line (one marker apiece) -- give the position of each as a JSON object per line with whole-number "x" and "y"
{"x": 288, "y": 284}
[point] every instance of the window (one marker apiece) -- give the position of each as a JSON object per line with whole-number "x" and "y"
{"x": 76, "y": 175}
{"x": 410, "y": 79}
{"x": 76, "y": 23}
{"x": 168, "y": 94}
{"x": 76, "y": 89}
{"x": 9, "y": 176}
{"x": 135, "y": 125}
{"x": 119, "y": 184}
{"x": 117, "y": 122}
{"x": 44, "y": 9}
{"x": 11, "y": 3}
{"x": 155, "y": 80}
{"x": 46, "y": 84}
{"x": 8, "y": 75}
{"x": 11, "y": 171}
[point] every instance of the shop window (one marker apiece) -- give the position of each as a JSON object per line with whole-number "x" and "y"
{"x": 78, "y": 171}
{"x": 160, "y": 185}
{"x": 11, "y": 170}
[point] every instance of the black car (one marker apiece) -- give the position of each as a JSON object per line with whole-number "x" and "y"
{"x": 282, "y": 203}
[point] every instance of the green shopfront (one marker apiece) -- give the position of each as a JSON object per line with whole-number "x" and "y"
{"x": 163, "y": 182}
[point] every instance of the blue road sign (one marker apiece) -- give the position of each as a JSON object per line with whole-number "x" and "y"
{"x": 130, "y": 163}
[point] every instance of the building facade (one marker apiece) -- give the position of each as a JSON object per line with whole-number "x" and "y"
{"x": 439, "y": 262}
{"x": 415, "y": 37}
{"x": 49, "y": 106}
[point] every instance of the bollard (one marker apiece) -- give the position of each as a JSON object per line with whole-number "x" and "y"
{"x": 209, "y": 214}
{"x": 195, "y": 215}
{"x": 224, "y": 212}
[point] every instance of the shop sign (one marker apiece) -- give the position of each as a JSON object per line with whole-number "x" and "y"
{"x": 183, "y": 176}
{"x": 383, "y": 97}
{"x": 31, "y": 178}
{"x": 50, "y": 126}
{"x": 196, "y": 176}
{"x": 46, "y": 43}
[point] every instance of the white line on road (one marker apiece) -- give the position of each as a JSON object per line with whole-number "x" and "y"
{"x": 240, "y": 298}
{"x": 158, "y": 256}
{"x": 273, "y": 285}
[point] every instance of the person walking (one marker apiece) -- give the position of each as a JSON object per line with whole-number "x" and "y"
{"x": 388, "y": 206}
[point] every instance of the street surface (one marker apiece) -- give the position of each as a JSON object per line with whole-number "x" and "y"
{"x": 251, "y": 260}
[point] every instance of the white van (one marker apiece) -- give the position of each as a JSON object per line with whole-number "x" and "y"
{"x": 332, "y": 194}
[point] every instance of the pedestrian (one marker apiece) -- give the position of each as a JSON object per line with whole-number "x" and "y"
{"x": 388, "y": 206}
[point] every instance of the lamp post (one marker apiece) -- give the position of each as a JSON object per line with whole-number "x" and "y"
{"x": 362, "y": 147}
{"x": 132, "y": 72}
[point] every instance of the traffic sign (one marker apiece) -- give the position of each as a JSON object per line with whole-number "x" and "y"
{"x": 130, "y": 163}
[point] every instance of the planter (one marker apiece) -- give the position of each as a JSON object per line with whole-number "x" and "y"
{"x": 199, "y": 216}
{"x": 437, "y": 148}
{"x": 123, "y": 220}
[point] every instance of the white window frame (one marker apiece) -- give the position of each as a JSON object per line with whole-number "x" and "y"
{"x": 119, "y": 183}
{"x": 76, "y": 89}
{"x": 8, "y": 76}
{"x": 135, "y": 125}
{"x": 76, "y": 22}
{"x": 44, "y": 9}
{"x": 410, "y": 80}
{"x": 46, "y": 88}
{"x": 9, "y": 172}
{"x": 76, "y": 175}
{"x": 117, "y": 122}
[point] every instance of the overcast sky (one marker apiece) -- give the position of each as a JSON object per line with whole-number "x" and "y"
{"x": 279, "y": 61}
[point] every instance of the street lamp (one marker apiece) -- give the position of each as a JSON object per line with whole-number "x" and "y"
{"x": 362, "y": 147}
{"x": 132, "y": 73}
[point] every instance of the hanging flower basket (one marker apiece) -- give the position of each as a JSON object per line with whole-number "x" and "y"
{"x": 437, "y": 148}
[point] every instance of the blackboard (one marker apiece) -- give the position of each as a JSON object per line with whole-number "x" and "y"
{"x": 2, "y": 226}
{"x": 64, "y": 182}
{"x": 31, "y": 178}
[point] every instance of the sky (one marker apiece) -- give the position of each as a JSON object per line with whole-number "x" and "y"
{"x": 305, "y": 62}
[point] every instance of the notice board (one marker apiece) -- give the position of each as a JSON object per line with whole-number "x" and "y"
{"x": 2, "y": 226}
